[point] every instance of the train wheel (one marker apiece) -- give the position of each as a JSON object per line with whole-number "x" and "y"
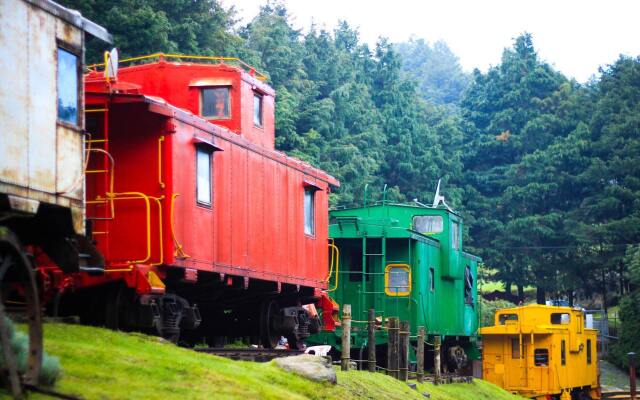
{"x": 268, "y": 334}
{"x": 113, "y": 308}
{"x": 16, "y": 268}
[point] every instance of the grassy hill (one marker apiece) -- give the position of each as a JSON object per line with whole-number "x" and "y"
{"x": 102, "y": 364}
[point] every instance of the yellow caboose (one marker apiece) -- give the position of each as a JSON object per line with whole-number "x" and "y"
{"x": 542, "y": 352}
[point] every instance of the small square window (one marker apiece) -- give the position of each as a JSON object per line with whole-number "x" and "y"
{"x": 397, "y": 280}
{"x": 257, "y": 110}
{"x": 67, "y": 87}
{"x": 214, "y": 103}
{"x": 541, "y": 357}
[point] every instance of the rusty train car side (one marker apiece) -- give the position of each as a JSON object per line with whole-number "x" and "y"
{"x": 41, "y": 147}
{"x": 42, "y": 208}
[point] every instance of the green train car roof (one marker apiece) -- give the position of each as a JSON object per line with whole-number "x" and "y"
{"x": 393, "y": 220}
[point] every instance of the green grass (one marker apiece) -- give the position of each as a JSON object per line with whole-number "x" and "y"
{"x": 101, "y": 364}
{"x": 613, "y": 378}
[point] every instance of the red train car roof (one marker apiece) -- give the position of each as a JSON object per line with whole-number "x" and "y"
{"x": 160, "y": 106}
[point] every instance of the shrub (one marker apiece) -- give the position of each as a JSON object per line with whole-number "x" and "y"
{"x": 50, "y": 371}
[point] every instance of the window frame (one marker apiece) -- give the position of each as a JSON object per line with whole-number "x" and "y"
{"x": 560, "y": 322}
{"x": 77, "y": 53}
{"x": 396, "y": 293}
{"x": 434, "y": 232}
{"x": 507, "y": 317}
{"x": 468, "y": 290}
{"x": 209, "y": 153}
{"x": 455, "y": 235}
{"x": 229, "y": 102}
{"x": 588, "y": 351}
{"x": 261, "y": 102}
{"x": 312, "y": 213}
{"x": 563, "y": 352}
{"x": 432, "y": 280}
{"x": 541, "y": 352}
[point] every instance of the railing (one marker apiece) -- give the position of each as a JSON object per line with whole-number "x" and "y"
{"x": 184, "y": 57}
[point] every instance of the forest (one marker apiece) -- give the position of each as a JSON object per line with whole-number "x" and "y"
{"x": 545, "y": 170}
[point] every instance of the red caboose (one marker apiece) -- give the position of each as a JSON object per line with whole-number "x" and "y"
{"x": 205, "y": 227}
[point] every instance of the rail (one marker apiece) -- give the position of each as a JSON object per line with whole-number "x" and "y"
{"x": 147, "y": 201}
{"x": 180, "y": 57}
{"x": 249, "y": 354}
{"x": 99, "y": 199}
{"x": 179, "y": 252}
{"x": 335, "y": 258}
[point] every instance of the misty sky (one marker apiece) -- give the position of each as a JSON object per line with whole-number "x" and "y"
{"x": 575, "y": 36}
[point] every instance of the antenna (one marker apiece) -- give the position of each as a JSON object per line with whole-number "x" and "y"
{"x": 111, "y": 67}
{"x": 437, "y": 199}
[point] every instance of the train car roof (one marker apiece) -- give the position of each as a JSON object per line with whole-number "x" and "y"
{"x": 73, "y": 17}
{"x": 160, "y": 106}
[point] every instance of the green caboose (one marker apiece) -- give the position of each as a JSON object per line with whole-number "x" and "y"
{"x": 405, "y": 261}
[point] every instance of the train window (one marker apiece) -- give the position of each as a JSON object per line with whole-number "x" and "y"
{"x": 203, "y": 179}
{"x": 309, "y": 211}
{"x": 214, "y": 102}
{"x": 427, "y": 224}
{"x": 541, "y": 357}
{"x": 397, "y": 280}
{"x": 563, "y": 352}
{"x": 67, "y": 87}
{"x": 560, "y": 318}
{"x": 257, "y": 110}
{"x": 588, "y": 351}
{"x": 468, "y": 286}
{"x": 432, "y": 280}
{"x": 503, "y": 318}
{"x": 516, "y": 349}
{"x": 455, "y": 235}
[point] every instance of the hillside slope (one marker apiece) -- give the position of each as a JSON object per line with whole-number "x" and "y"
{"x": 102, "y": 364}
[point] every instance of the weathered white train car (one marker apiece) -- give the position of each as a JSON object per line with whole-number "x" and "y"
{"x": 42, "y": 123}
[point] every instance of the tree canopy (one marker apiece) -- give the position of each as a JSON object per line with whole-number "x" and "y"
{"x": 545, "y": 170}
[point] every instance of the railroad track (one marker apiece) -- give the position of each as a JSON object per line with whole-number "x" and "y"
{"x": 619, "y": 395}
{"x": 251, "y": 354}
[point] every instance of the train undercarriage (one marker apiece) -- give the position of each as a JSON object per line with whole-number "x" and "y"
{"x": 217, "y": 310}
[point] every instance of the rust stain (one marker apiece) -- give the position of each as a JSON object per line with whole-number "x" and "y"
{"x": 67, "y": 33}
{"x": 9, "y": 175}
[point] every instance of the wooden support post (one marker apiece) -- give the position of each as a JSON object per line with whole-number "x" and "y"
{"x": 392, "y": 347}
{"x": 420, "y": 354}
{"x": 436, "y": 358}
{"x": 632, "y": 375}
{"x": 403, "y": 366}
{"x": 372, "y": 340}
{"x": 346, "y": 337}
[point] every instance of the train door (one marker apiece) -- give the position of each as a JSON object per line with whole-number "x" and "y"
{"x": 516, "y": 375}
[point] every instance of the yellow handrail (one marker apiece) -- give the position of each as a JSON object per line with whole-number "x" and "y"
{"x": 98, "y": 198}
{"x": 334, "y": 250}
{"x": 138, "y": 195}
{"x": 135, "y": 196}
{"x": 161, "y": 245}
{"x": 162, "y": 56}
{"x": 179, "y": 253}
{"x": 160, "y": 140}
